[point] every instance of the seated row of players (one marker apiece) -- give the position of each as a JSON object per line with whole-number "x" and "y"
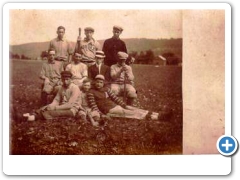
{"x": 94, "y": 103}
{"x": 116, "y": 76}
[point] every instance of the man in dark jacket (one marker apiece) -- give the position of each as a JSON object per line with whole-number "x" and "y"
{"x": 99, "y": 67}
{"x": 113, "y": 45}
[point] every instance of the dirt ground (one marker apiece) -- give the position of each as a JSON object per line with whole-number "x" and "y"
{"x": 156, "y": 86}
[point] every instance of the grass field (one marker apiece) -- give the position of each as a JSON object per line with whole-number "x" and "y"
{"x": 156, "y": 86}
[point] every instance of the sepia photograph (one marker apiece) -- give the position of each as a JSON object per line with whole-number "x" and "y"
{"x": 95, "y": 82}
{"x": 108, "y": 83}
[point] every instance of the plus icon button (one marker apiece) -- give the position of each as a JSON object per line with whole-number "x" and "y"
{"x": 227, "y": 145}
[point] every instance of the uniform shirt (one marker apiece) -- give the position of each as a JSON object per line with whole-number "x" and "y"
{"x": 51, "y": 71}
{"x": 62, "y": 47}
{"x": 110, "y": 48}
{"x": 88, "y": 49}
{"x": 70, "y": 97}
{"x": 102, "y": 100}
{"x": 118, "y": 76}
{"x": 78, "y": 70}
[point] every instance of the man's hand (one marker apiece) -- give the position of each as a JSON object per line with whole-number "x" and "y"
{"x": 124, "y": 68}
{"x": 79, "y": 38}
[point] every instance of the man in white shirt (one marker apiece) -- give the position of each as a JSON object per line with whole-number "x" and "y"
{"x": 78, "y": 69}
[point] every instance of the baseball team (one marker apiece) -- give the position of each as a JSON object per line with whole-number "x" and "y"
{"x": 89, "y": 83}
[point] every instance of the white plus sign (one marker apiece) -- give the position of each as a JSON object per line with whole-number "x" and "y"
{"x": 227, "y": 145}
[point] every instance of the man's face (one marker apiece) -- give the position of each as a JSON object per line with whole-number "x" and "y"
{"x": 99, "y": 83}
{"x": 121, "y": 61}
{"x": 66, "y": 81}
{"x": 116, "y": 33}
{"x": 51, "y": 56}
{"x": 86, "y": 86}
{"x": 77, "y": 58}
{"x": 99, "y": 60}
{"x": 89, "y": 34}
{"x": 60, "y": 33}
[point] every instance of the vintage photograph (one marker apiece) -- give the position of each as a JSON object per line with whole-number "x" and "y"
{"x": 96, "y": 82}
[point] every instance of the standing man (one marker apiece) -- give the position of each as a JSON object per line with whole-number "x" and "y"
{"x": 122, "y": 79}
{"x": 62, "y": 46}
{"x": 87, "y": 47}
{"x": 51, "y": 76}
{"x": 79, "y": 70}
{"x": 113, "y": 45}
{"x": 99, "y": 67}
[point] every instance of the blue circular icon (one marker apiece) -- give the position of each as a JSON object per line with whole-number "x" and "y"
{"x": 227, "y": 145}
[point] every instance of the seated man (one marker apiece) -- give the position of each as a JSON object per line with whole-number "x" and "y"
{"x": 122, "y": 79}
{"x": 50, "y": 73}
{"x": 65, "y": 104}
{"x": 101, "y": 99}
{"x": 85, "y": 111}
{"x": 79, "y": 70}
{"x": 99, "y": 67}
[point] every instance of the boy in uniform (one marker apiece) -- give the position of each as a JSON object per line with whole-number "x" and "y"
{"x": 87, "y": 47}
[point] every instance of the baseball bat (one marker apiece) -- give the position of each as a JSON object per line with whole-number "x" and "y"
{"x": 79, "y": 31}
{"x": 78, "y": 41}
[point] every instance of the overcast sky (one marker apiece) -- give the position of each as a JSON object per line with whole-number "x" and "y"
{"x": 41, "y": 25}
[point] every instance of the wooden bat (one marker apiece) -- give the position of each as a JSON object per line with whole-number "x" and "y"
{"x": 79, "y": 31}
{"x": 78, "y": 40}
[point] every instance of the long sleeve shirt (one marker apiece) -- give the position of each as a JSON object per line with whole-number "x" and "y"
{"x": 110, "y": 48}
{"x": 68, "y": 98}
{"x": 117, "y": 74}
{"x": 103, "y": 100}
{"x": 88, "y": 48}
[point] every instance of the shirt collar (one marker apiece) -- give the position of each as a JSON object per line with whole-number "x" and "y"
{"x": 119, "y": 65}
{"x": 51, "y": 62}
{"x": 90, "y": 40}
{"x": 98, "y": 64}
{"x": 115, "y": 38}
{"x": 63, "y": 39}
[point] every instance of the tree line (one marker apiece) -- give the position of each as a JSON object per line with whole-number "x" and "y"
{"x": 17, "y": 56}
{"x": 148, "y": 57}
{"x": 144, "y": 57}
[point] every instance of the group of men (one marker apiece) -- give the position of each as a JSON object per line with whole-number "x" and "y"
{"x": 86, "y": 82}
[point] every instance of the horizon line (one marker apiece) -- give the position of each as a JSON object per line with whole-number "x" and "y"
{"x": 99, "y": 40}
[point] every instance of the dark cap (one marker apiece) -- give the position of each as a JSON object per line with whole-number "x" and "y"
{"x": 89, "y": 29}
{"x": 66, "y": 74}
{"x": 118, "y": 28}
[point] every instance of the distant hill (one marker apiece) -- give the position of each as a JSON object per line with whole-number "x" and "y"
{"x": 158, "y": 46}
